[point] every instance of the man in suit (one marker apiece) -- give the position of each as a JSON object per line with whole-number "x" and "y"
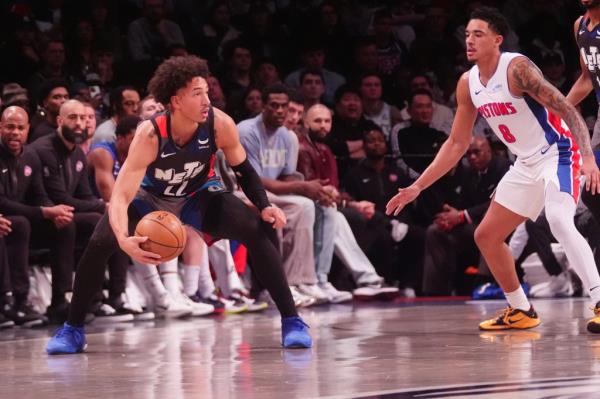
{"x": 450, "y": 238}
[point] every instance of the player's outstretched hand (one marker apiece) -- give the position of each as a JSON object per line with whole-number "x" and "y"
{"x": 273, "y": 215}
{"x": 399, "y": 201}
{"x": 592, "y": 174}
{"x": 131, "y": 246}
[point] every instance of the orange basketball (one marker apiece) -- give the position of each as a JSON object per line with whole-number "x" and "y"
{"x": 165, "y": 232}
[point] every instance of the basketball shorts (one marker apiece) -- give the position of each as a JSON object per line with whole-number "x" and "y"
{"x": 523, "y": 188}
{"x": 189, "y": 209}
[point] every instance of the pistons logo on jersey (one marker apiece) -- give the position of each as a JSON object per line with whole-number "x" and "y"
{"x": 491, "y": 110}
{"x": 177, "y": 181}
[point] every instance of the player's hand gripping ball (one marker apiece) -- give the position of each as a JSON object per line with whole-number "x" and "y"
{"x": 166, "y": 234}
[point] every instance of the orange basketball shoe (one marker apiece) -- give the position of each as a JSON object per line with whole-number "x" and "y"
{"x": 593, "y": 325}
{"x": 513, "y": 318}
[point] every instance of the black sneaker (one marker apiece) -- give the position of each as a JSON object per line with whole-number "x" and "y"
{"x": 5, "y": 322}
{"x": 213, "y": 299}
{"x": 58, "y": 313}
{"x": 122, "y": 307}
{"x": 26, "y": 316}
{"x": 252, "y": 305}
{"x": 107, "y": 314}
{"x": 22, "y": 314}
{"x": 7, "y": 304}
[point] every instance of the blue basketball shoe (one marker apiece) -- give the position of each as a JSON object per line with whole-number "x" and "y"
{"x": 68, "y": 339}
{"x": 294, "y": 333}
{"x": 493, "y": 291}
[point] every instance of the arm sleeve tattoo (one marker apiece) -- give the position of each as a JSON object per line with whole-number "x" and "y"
{"x": 529, "y": 79}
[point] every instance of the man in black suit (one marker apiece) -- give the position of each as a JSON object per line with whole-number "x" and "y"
{"x": 450, "y": 238}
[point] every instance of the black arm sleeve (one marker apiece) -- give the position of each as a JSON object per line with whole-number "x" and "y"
{"x": 250, "y": 183}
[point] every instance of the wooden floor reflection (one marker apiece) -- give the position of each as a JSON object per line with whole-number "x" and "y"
{"x": 397, "y": 350}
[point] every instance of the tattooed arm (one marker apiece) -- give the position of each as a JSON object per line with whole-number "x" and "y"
{"x": 143, "y": 151}
{"x": 524, "y": 78}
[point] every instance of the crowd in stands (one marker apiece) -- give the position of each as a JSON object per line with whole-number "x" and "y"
{"x": 338, "y": 105}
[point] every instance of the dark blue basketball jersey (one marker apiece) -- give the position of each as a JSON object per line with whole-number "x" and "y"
{"x": 588, "y": 42}
{"x": 181, "y": 171}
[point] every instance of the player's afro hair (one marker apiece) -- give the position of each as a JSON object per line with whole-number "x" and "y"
{"x": 174, "y": 74}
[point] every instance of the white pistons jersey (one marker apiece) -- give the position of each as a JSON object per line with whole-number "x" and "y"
{"x": 529, "y": 130}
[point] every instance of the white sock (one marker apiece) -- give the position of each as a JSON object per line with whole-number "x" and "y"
{"x": 152, "y": 281}
{"x": 595, "y": 294}
{"x": 191, "y": 275}
{"x": 206, "y": 285}
{"x": 169, "y": 276}
{"x": 517, "y": 299}
{"x": 224, "y": 267}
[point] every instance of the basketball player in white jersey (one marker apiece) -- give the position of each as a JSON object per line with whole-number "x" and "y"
{"x": 552, "y": 145}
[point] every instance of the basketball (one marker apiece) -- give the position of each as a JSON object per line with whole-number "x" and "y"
{"x": 165, "y": 232}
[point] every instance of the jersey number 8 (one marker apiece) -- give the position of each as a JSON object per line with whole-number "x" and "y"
{"x": 506, "y": 134}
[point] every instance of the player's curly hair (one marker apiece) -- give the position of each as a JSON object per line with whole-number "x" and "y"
{"x": 174, "y": 74}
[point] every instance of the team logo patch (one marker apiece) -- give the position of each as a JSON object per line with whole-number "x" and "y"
{"x": 393, "y": 178}
{"x": 79, "y": 166}
{"x": 497, "y": 87}
{"x": 27, "y": 170}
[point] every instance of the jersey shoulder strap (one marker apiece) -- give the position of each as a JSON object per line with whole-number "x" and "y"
{"x": 161, "y": 122}
{"x": 211, "y": 128}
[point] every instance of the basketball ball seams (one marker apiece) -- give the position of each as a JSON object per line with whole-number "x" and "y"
{"x": 166, "y": 256}
{"x": 167, "y": 229}
{"x": 158, "y": 243}
{"x": 168, "y": 246}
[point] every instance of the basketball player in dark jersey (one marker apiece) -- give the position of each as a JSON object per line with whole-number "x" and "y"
{"x": 172, "y": 157}
{"x": 587, "y": 36}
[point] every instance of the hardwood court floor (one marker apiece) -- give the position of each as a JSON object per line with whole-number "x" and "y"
{"x": 400, "y": 350}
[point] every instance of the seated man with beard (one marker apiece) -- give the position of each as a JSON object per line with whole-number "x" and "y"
{"x": 65, "y": 174}
{"x": 332, "y": 231}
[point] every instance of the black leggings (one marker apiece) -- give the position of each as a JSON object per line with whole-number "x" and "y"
{"x": 225, "y": 217}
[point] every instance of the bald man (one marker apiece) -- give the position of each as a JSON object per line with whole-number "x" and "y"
{"x": 34, "y": 218}
{"x": 452, "y": 233}
{"x": 66, "y": 180}
{"x": 332, "y": 231}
